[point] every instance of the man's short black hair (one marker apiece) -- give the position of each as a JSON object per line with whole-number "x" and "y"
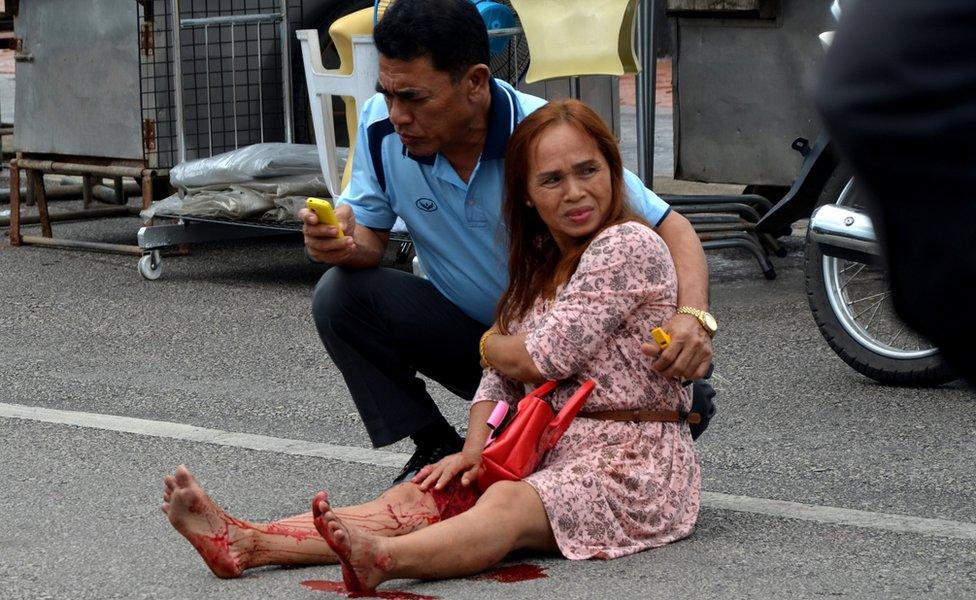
{"x": 450, "y": 32}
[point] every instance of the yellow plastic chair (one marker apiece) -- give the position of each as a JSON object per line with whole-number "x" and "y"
{"x": 379, "y": 7}
{"x": 578, "y": 37}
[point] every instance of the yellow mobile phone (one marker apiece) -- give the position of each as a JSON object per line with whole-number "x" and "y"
{"x": 661, "y": 337}
{"x": 323, "y": 210}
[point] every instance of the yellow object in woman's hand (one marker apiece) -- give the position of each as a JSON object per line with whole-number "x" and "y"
{"x": 661, "y": 337}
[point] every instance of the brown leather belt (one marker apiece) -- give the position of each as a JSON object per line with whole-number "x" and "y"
{"x": 643, "y": 415}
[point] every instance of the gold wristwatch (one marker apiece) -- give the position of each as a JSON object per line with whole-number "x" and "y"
{"x": 708, "y": 322}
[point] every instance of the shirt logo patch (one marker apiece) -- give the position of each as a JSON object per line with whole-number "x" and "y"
{"x": 426, "y": 204}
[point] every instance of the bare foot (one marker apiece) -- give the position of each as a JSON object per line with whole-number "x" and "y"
{"x": 364, "y": 564}
{"x": 221, "y": 540}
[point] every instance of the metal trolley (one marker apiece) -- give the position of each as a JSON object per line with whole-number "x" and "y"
{"x": 220, "y": 78}
{"x": 176, "y": 79}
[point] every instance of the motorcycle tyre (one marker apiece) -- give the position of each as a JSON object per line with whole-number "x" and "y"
{"x": 919, "y": 372}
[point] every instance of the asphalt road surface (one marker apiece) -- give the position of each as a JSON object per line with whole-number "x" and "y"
{"x": 818, "y": 482}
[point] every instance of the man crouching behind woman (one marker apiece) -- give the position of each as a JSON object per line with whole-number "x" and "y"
{"x": 588, "y": 280}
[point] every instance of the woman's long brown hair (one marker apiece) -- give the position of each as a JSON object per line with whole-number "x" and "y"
{"x": 536, "y": 266}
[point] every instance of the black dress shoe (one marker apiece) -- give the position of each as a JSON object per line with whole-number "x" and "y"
{"x": 426, "y": 455}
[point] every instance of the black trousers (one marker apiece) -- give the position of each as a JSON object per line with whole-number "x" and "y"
{"x": 382, "y": 327}
{"x": 899, "y": 97}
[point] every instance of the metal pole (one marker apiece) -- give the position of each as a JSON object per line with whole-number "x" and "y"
{"x": 286, "y": 71}
{"x": 86, "y": 190}
{"x": 512, "y": 70}
{"x": 76, "y": 215}
{"x": 645, "y": 91}
{"x": 206, "y": 50}
{"x": 65, "y": 168}
{"x": 176, "y": 31}
{"x": 260, "y": 85}
{"x": 147, "y": 189}
{"x": 34, "y": 240}
{"x": 232, "y": 20}
{"x": 233, "y": 78}
{"x": 15, "y": 237}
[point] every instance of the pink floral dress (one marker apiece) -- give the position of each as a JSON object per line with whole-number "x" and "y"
{"x": 611, "y": 488}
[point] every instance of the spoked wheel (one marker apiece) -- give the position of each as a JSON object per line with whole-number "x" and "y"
{"x": 851, "y": 303}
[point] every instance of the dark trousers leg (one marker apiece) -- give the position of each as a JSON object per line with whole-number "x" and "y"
{"x": 899, "y": 96}
{"x": 381, "y": 327}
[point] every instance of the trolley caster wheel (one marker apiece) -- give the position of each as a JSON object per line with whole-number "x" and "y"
{"x": 770, "y": 273}
{"x": 151, "y": 265}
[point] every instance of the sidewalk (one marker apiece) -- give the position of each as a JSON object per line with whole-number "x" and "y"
{"x": 6, "y": 62}
{"x": 663, "y": 97}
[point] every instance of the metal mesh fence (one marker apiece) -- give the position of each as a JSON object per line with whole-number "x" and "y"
{"x": 230, "y": 75}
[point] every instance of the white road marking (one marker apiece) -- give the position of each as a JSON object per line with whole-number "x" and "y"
{"x": 832, "y": 515}
{"x": 714, "y": 500}
{"x": 192, "y": 433}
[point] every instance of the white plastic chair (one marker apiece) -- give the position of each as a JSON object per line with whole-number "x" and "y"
{"x": 356, "y": 81}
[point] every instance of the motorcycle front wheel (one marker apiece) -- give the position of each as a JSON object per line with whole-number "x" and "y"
{"x": 851, "y": 303}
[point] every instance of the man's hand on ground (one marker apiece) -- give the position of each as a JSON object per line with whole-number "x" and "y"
{"x": 689, "y": 354}
{"x": 321, "y": 241}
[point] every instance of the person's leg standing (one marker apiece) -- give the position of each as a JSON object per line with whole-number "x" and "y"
{"x": 381, "y": 327}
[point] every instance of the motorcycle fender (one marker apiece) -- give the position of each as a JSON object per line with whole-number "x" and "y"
{"x": 799, "y": 202}
{"x": 845, "y": 233}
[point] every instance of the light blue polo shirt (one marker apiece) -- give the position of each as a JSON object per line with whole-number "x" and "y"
{"x": 456, "y": 227}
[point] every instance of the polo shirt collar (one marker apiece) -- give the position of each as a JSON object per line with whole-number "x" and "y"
{"x": 501, "y": 122}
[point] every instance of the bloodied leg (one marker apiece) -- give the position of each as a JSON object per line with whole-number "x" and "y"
{"x": 509, "y": 516}
{"x": 229, "y": 546}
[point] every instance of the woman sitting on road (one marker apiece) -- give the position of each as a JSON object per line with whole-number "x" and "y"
{"x": 588, "y": 280}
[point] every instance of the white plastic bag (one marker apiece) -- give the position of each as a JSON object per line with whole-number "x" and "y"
{"x": 258, "y": 161}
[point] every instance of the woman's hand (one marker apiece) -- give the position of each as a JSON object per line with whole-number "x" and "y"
{"x": 441, "y": 472}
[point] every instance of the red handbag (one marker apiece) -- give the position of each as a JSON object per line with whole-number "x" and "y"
{"x": 519, "y": 440}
